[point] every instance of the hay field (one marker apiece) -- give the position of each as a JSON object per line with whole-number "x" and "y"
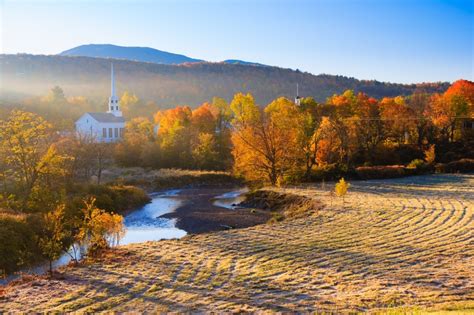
{"x": 398, "y": 245}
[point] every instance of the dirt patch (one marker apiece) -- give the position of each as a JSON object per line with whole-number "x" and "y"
{"x": 198, "y": 214}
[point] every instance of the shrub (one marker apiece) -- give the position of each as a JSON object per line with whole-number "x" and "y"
{"x": 18, "y": 246}
{"x": 460, "y": 166}
{"x": 117, "y": 199}
{"x": 407, "y": 153}
{"x": 380, "y": 172}
{"x": 330, "y": 172}
{"x": 99, "y": 229}
{"x": 416, "y": 164}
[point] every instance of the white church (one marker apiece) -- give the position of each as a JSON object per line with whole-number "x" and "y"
{"x": 103, "y": 127}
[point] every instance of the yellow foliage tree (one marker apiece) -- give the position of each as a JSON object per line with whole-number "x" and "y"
{"x": 54, "y": 233}
{"x": 341, "y": 188}
{"x": 430, "y": 154}
{"x": 265, "y": 142}
{"x": 99, "y": 229}
{"x": 26, "y": 142}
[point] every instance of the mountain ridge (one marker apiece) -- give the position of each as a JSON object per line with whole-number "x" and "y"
{"x": 140, "y": 53}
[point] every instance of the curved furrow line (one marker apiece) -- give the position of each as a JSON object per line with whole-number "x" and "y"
{"x": 416, "y": 232}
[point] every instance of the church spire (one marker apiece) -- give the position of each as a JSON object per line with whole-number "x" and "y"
{"x": 112, "y": 80}
{"x": 114, "y": 107}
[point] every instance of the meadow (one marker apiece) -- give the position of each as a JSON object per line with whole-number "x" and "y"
{"x": 401, "y": 245}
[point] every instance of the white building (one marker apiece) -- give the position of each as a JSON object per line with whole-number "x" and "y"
{"x": 103, "y": 127}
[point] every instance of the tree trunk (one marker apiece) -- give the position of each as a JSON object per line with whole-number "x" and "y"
{"x": 50, "y": 268}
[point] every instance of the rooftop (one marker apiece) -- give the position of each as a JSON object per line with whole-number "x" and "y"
{"x": 106, "y": 117}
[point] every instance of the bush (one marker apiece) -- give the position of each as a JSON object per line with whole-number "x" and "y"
{"x": 396, "y": 154}
{"x": 118, "y": 199}
{"x": 18, "y": 246}
{"x": 460, "y": 166}
{"x": 330, "y": 172}
{"x": 417, "y": 164}
{"x": 380, "y": 172}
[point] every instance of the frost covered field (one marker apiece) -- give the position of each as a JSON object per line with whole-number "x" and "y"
{"x": 401, "y": 243}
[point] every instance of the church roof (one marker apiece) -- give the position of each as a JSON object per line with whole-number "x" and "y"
{"x": 106, "y": 117}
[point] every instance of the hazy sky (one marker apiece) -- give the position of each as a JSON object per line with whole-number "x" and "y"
{"x": 387, "y": 40}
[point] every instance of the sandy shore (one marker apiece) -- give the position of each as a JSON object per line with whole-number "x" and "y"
{"x": 198, "y": 214}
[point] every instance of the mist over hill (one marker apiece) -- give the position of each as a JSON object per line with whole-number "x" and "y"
{"x": 171, "y": 85}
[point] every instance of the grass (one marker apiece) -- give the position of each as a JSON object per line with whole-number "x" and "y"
{"x": 153, "y": 180}
{"x": 396, "y": 246}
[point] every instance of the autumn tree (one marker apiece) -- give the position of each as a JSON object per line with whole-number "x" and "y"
{"x": 129, "y": 103}
{"x": 398, "y": 118}
{"x": 52, "y": 240}
{"x": 26, "y": 141}
{"x": 139, "y": 133}
{"x": 265, "y": 141}
{"x": 423, "y": 128}
{"x": 370, "y": 128}
{"x": 331, "y": 148}
{"x": 310, "y": 118}
{"x": 99, "y": 229}
{"x": 174, "y": 135}
{"x": 204, "y": 152}
{"x": 447, "y": 111}
{"x": 341, "y": 188}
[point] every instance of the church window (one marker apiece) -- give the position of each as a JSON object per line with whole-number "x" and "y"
{"x": 110, "y": 132}
{"x": 116, "y": 133}
{"x": 104, "y": 132}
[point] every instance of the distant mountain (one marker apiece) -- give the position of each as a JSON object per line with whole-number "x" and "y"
{"x": 145, "y": 54}
{"x": 171, "y": 85}
{"x": 241, "y": 62}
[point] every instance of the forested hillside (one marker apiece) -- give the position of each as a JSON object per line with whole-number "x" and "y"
{"x": 169, "y": 85}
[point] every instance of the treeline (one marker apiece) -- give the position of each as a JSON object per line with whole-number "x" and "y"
{"x": 172, "y": 85}
{"x": 284, "y": 142}
{"x": 180, "y": 138}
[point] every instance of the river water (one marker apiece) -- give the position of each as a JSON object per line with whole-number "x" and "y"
{"x": 146, "y": 223}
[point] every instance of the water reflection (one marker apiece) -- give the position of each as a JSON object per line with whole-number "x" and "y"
{"x": 145, "y": 224}
{"x": 231, "y": 199}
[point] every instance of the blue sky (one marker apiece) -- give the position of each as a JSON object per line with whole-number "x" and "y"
{"x": 388, "y": 40}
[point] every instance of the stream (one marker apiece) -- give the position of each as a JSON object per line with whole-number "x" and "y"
{"x": 146, "y": 224}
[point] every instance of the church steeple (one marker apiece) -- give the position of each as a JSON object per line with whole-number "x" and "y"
{"x": 114, "y": 106}
{"x": 112, "y": 80}
{"x": 297, "y": 98}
